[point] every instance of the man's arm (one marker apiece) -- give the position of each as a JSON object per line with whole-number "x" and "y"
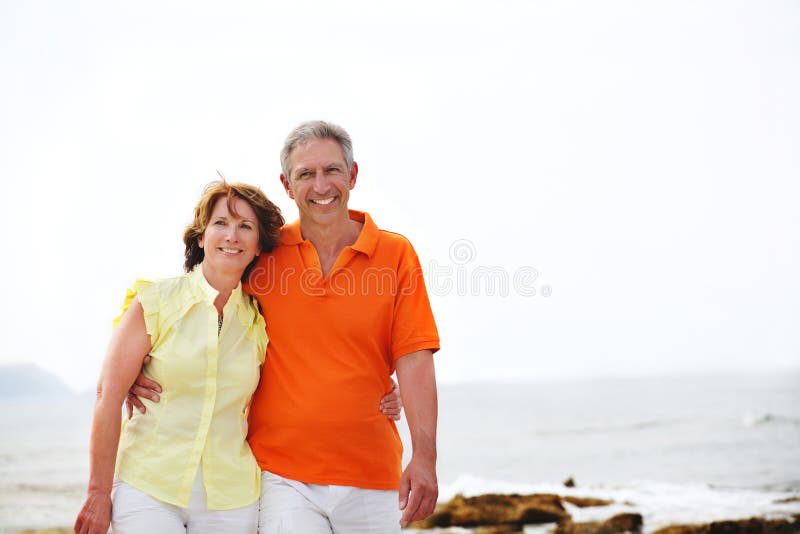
{"x": 419, "y": 489}
{"x": 391, "y": 404}
{"x": 142, "y": 387}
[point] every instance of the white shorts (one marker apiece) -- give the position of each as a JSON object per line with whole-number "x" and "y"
{"x": 135, "y": 512}
{"x": 289, "y": 506}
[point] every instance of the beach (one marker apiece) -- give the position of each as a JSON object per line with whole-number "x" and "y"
{"x": 676, "y": 450}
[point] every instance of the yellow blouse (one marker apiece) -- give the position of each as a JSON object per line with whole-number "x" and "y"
{"x": 207, "y": 381}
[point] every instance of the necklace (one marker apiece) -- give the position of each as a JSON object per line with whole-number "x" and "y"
{"x": 219, "y": 324}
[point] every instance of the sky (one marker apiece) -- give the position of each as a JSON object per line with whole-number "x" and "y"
{"x": 594, "y": 188}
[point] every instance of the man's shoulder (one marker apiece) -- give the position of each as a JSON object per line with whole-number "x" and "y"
{"x": 383, "y": 242}
{"x": 394, "y": 239}
{"x": 394, "y": 249}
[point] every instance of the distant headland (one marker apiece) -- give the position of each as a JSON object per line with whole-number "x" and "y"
{"x": 27, "y": 380}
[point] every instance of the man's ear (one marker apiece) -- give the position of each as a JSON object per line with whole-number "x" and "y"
{"x": 353, "y": 175}
{"x": 286, "y": 186}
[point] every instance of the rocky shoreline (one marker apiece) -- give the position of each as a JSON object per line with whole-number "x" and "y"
{"x": 509, "y": 514}
{"x": 618, "y": 524}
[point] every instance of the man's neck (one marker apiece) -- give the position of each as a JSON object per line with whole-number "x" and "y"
{"x": 329, "y": 240}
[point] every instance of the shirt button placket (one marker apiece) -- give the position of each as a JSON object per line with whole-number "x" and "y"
{"x": 209, "y": 400}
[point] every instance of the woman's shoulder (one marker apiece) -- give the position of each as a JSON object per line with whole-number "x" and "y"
{"x": 166, "y": 286}
{"x": 149, "y": 293}
{"x": 249, "y": 308}
{"x": 158, "y": 292}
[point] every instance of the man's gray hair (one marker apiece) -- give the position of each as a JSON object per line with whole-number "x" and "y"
{"x": 307, "y": 131}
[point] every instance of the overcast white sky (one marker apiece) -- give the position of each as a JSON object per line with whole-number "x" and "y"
{"x": 643, "y": 157}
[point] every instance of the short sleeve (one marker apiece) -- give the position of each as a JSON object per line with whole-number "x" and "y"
{"x": 147, "y": 293}
{"x": 261, "y": 333}
{"x": 256, "y": 327}
{"x": 414, "y": 327}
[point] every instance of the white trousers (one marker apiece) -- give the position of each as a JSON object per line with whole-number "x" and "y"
{"x": 292, "y": 507}
{"x": 135, "y": 512}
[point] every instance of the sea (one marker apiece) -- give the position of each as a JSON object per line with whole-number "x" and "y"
{"x": 678, "y": 450}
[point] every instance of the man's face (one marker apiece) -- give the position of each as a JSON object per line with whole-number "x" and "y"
{"x": 319, "y": 181}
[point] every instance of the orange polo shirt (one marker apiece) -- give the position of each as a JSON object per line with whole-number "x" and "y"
{"x": 332, "y": 346}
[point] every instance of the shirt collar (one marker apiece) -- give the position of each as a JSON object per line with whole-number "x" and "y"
{"x": 366, "y": 242}
{"x": 368, "y": 238}
{"x": 207, "y": 293}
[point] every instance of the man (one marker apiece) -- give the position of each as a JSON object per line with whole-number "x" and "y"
{"x": 345, "y": 306}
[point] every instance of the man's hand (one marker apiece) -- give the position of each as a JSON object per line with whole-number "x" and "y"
{"x": 391, "y": 404}
{"x": 142, "y": 387}
{"x": 419, "y": 490}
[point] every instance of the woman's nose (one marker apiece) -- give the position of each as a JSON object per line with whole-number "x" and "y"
{"x": 233, "y": 233}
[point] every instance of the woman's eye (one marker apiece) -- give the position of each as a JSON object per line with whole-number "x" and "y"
{"x": 221, "y": 223}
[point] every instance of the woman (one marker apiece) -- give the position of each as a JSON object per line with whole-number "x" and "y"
{"x": 185, "y": 466}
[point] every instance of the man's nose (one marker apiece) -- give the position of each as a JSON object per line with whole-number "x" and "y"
{"x": 320, "y": 182}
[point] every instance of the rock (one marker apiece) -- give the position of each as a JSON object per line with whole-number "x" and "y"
{"x": 584, "y": 502}
{"x": 754, "y": 525}
{"x": 570, "y": 482}
{"x": 496, "y": 510}
{"x": 628, "y": 522}
{"x": 614, "y": 525}
{"x": 503, "y": 529}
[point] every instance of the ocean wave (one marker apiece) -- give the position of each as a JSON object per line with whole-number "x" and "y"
{"x": 27, "y": 487}
{"x": 604, "y": 428}
{"x": 751, "y": 419}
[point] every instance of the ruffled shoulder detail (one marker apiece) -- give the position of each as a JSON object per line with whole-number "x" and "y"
{"x": 148, "y": 295}
{"x": 177, "y": 296}
{"x": 255, "y": 326}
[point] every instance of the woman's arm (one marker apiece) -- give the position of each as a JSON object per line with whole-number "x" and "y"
{"x": 129, "y": 344}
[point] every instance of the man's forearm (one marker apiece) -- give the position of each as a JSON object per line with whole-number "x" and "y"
{"x": 417, "y": 377}
{"x": 419, "y": 489}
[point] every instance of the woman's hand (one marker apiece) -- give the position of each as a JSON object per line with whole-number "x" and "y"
{"x": 95, "y": 516}
{"x": 392, "y": 404}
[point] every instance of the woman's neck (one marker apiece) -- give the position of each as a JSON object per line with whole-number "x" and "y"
{"x": 223, "y": 282}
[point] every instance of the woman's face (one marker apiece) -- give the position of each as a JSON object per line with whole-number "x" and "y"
{"x": 230, "y": 242}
